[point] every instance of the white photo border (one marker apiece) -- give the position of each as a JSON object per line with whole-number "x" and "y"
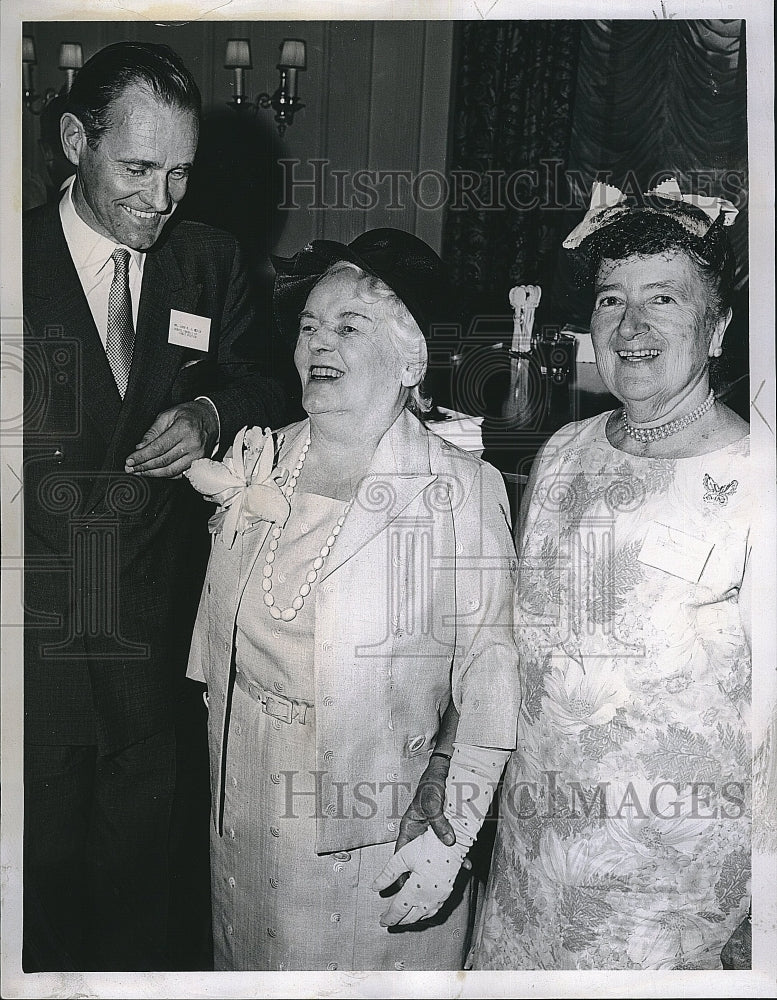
{"x": 758, "y": 982}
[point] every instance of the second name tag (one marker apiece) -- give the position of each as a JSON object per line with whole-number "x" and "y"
{"x": 189, "y": 330}
{"x": 675, "y": 552}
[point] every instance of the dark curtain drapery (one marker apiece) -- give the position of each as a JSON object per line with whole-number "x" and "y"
{"x": 659, "y": 98}
{"x": 655, "y": 98}
{"x": 548, "y": 107}
{"x": 512, "y": 114}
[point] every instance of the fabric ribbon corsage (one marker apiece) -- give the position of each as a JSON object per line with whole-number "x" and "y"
{"x": 246, "y": 485}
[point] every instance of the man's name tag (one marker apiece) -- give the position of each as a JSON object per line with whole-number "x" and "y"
{"x": 189, "y": 330}
{"x": 675, "y": 552}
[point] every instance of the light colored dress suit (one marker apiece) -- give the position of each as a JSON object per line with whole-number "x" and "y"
{"x": 413, "y": 602}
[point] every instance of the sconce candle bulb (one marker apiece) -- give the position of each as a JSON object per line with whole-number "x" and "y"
{"x": 28, "y": 61}
{"x": 71, "y": 59}
{"x": 238, "y": 58}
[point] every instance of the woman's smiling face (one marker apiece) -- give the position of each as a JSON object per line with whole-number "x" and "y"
{"x": 345, "y": 359}
{"x": 653, "y": 328}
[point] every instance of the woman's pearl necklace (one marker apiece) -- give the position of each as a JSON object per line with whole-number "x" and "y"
{"x": 290, "y": 613}
{"x": 646, "y": 434}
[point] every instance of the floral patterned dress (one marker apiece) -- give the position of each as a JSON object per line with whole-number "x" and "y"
{"x": 624, "y": 829}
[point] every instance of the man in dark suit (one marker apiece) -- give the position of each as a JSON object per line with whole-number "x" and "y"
{"x": 139, "y": 340}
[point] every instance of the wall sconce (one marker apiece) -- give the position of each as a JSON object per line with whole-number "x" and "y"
{"x": 284, "y": 101}
{"x": 71, "y": 59}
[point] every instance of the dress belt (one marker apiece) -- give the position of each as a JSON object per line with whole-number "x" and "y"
{"x": 274, "y": 704}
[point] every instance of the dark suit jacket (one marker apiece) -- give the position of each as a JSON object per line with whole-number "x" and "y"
{"x": 113, "y": 562}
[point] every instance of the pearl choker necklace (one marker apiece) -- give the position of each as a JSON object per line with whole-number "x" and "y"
{"x": 647, "y": 434}
{"x": 290, "y": 613}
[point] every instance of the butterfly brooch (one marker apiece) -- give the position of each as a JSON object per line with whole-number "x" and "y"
{"x": 718, "y": 494}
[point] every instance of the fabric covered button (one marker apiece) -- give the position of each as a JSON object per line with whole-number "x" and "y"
{"x": 342, "y": 856}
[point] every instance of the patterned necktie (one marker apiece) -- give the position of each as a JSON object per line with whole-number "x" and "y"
{"x": 121, "y": 332}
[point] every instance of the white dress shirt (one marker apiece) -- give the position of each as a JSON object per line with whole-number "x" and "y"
{"x": 91, "y": 254}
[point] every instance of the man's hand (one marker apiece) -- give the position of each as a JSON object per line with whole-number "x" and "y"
{"x": 176, "y": 438}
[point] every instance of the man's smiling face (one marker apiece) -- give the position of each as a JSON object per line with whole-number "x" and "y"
{"x": 127, "y": 188}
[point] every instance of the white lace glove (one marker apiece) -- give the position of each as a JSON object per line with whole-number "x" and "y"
{"x": 469, "y": 789}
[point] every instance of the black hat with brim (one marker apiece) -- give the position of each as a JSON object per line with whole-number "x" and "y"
{"x": 410, "y": 268}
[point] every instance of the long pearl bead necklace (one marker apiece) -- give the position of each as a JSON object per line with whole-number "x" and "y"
{"x": 290, "y": 613}
{"x": 646, "y": 434}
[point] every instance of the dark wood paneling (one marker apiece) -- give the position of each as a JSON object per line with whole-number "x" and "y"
{"x": 394, "y": 120}
{"x": 436, "y": 83}
{"x": 347, "y": 115}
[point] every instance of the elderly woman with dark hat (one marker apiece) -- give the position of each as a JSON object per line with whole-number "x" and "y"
{"x": 624, "y": 830}
{"x": 361, "y": 577}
